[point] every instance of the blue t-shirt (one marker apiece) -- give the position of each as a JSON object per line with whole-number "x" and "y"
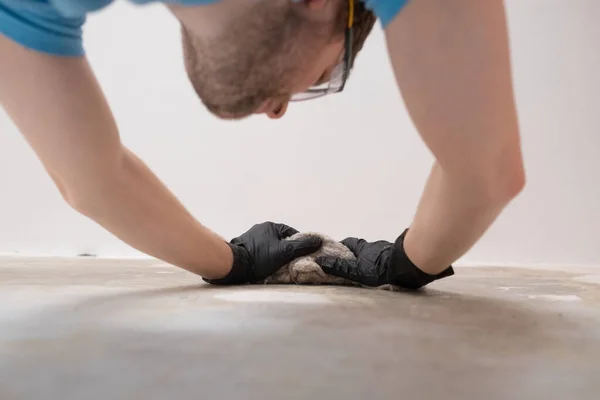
{"x": 55, "y": 26}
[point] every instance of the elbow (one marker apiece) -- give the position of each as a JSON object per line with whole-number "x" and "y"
{"x": 82, "y": 198}
{"x": 514, "y": 183}
{"x": 87, "y": 193}
{"x": 78, "y": 198}
{"x": 490, "y": 184}
{"x": 502, "y": 181}
{"x": 68, "y": 190}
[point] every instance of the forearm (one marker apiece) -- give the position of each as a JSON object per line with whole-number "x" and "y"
{"x": 451, "y": 217}
{"x": 137, "y": 208}
{"x": 59, "y": 107}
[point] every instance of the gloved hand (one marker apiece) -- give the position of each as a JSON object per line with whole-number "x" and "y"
{"x": 262, "y": 250}
{"x": 379, "y": 263}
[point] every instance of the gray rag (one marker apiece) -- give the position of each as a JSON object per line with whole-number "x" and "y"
{"x": 305, "y": 271}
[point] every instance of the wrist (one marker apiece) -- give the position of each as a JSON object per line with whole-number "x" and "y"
{"x": 240, "y": 271}
{"x": 403, "y": 272}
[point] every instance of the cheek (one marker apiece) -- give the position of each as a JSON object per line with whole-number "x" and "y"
{"x": 324, "y": 61}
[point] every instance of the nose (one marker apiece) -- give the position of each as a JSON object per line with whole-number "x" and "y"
{"x": 277, "y": 111}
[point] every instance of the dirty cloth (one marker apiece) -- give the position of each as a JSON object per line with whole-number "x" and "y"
{"x": 305, "y": 271}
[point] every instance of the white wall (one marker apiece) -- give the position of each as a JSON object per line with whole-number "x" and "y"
{"x": 362, "y": 140}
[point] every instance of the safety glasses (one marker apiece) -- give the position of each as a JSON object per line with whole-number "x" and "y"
{"x": 339, "y": 75}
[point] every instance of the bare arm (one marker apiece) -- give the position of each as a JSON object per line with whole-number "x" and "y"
{"x": 451, "y": 61}
{"x": 58, "y": 106}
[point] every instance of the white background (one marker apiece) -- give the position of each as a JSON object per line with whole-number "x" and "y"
{"x": 350, "y": 164}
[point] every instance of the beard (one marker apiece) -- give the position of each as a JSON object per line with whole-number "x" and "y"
{"x": 257, "y": 57}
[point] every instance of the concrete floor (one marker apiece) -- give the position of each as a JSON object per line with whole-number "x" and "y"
{"x": 89, "y": 329}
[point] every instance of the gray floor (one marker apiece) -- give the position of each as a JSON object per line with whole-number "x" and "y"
{"x": 90, "y": 329}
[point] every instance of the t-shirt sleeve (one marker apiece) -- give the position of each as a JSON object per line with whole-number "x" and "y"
{"x": 385, "y": 10}
{"x": 39, "y": 26}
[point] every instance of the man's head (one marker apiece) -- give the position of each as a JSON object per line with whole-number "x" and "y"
{"x": 245, "y": 57}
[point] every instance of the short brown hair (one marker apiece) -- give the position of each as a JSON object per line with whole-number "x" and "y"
{"x": 364, "y": 20}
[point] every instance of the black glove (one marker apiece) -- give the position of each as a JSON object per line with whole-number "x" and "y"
{"x": 261, "y": 251}
{"x": 379, "y": 263}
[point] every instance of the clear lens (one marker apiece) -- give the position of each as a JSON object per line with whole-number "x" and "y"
{"x": 336, "y": 80}
{"x": 307, "y": 95}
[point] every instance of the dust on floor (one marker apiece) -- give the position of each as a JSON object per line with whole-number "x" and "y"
{"x": 104, "y": 329}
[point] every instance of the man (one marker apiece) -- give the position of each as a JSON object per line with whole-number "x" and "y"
{"x": 451, "y": 62}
